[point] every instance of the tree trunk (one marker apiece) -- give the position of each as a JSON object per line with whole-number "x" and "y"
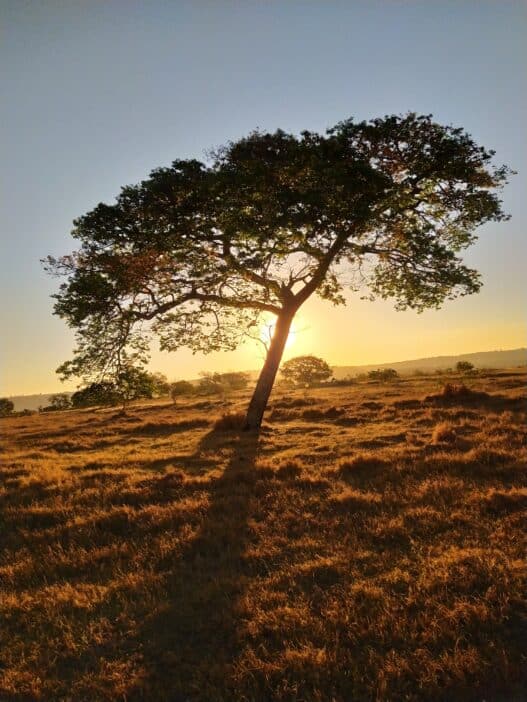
{"x": 267, "y": 376}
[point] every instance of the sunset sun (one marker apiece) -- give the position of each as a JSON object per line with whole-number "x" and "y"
{"x": 267, "y": 331}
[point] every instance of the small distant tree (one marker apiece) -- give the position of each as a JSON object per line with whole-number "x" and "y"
{"x": 181, "y": 388}
{"x": 306, "y": 371}
{"x": 160, "y": 385}
{"x": 6, "y": 407}
{"x": 103, "y": 393}
{"x": 232, "y": 381}
{"x": 210, "y": 384}
{"x": 60, "y": 401}
{"x": 384, "y": 375}
{"x": 133, "y": 383}
{"x": 464, "y": 367}
{"x": 198, "y": 254}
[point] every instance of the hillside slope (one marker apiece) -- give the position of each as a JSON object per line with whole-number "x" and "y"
{"x": 481, "y": 359}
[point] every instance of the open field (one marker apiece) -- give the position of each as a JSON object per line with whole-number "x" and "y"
{"x": 367, "y": 547}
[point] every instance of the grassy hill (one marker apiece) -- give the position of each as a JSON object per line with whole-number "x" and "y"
{"x": 367, "y": 546}
{"x": 481, "y": 359}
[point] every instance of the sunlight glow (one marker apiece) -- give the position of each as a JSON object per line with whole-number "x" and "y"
{"x": 267, "y": 331}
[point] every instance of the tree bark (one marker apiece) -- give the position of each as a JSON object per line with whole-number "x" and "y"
{"x": 265, "y": 383}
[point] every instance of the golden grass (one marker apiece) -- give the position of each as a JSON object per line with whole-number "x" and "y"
{"x": 366, "y": 547}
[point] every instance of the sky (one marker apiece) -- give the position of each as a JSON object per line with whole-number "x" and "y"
{"x": 96, "y": 94}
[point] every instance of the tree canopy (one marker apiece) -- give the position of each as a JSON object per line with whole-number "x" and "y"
{"x": 60, "y": 401}
{"x": 198, "y": 252}
{"x": 306, "y": 370}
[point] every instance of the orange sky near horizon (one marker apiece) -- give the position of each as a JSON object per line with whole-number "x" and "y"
{"x": 360, "y": 333}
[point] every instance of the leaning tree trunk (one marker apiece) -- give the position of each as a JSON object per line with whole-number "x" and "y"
{"x": 267, "y": 376}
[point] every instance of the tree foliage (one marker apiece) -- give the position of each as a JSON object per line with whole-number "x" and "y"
{"x": 60, "y": 401}
{"x": 306, "y": 370}
{"x": 129, "y": 384}
{"x": 160, "y": 385}
{"x": 96, "y": 393}
{"x": 198, "y": 252}
{"x": 233, "y": 380}
{"x": 221, "y": 383}
{"x": 181, "y": 388}
{"x": 134, "y": 384}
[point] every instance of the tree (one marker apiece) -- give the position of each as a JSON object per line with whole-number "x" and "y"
{"x": 133, "y": 383}
{"x": 464, "y": 367}
{"x": 60, "y": 401}
{"x": 6, "y": 407}
{"x": 101, "y": 393}
{"x": 235, "y": 380}
{"x": 198, "y": 253}
{"x": 181, "y": 388}
{"x": 210, "y": 384}
{"x": 306, "y": 370}
{"x": 160, "y": 385}
{"x": 384, "y": 375}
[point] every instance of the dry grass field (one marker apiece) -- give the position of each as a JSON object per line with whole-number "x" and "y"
{"x": 366, "y": 547}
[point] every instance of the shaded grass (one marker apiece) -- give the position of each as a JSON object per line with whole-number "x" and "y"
{"x": 357, "y": 550}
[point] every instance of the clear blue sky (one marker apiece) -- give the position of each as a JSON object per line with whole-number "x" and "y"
{"x": 95, "y": 94}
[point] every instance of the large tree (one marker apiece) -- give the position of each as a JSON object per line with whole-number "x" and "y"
{"x": 199, "y": 252}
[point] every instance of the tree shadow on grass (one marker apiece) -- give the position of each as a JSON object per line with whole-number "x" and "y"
{"x": 192, "y": 639}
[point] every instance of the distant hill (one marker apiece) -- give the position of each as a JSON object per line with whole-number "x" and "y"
{"x": 32, "y": 402}
{"x": 481, "y": 359}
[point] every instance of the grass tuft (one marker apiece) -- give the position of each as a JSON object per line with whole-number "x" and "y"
{"x": 361, "y": 464}
{"x": 232, "y": 421}
{"x": 444, "y": 432}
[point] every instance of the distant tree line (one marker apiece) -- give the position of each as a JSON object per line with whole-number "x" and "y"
{"x": 135, "y": 383}
{"x": 210, "y": 384}
{"x": 130, "y": 384}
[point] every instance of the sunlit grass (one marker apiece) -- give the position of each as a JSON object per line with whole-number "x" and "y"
{"x": 367, "y": 547}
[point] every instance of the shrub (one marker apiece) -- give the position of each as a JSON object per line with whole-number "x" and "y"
{"x": 160, "y": 384}
{"x": 233, "y": 380}
{"x": 452, "y": 394}
{"x": 452, "y": 391}
{"x": 444, "y": 431}
{"x": 360, "y": 464}
{"x": 289, "y": 469}
{"x": 230, "y": 422}
{"x": 60, "y": 401}
{"x": 464, "y": 367}
{"x": 209, "y": 384}
{"x": 384, "y": 375}
{"x": 181, "y": 388}
{"x": 103, "y": 393}
{"x": 6, "y": 407}
{"x": 344, "y": 382}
